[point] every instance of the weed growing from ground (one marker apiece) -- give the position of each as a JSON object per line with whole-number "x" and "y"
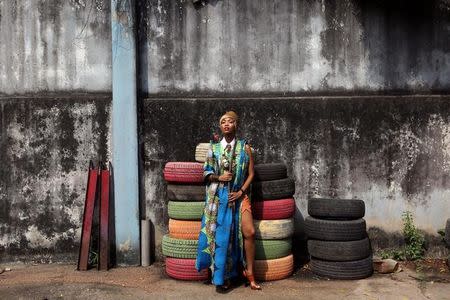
{"x": 414, "y": 247}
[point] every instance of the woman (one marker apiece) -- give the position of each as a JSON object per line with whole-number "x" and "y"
{"x": 227, "y": 223}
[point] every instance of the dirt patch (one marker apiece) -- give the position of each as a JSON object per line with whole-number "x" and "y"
{"x": 63, "y": 281}
{"x": 428, "y": 266}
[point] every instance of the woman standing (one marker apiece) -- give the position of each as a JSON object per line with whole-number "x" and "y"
{"x": 227, "y": 224}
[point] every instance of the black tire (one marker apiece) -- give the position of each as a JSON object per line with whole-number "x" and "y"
{"x": 274, "y": 189}
{"x": 275, "y": 171}
{"x": 340, "y": 251}
{"x": 186, "y": 192}
{"x": 331, "y": 230}
{"x": 347, "y": 209}
{"x": 356, "y": 269}
{"x": 447, "y": 232}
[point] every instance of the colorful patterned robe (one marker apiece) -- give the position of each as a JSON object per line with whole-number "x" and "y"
{"x": 220, "y": 243}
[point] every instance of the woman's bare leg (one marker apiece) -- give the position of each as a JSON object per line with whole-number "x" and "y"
{"x": 248, "y": 231}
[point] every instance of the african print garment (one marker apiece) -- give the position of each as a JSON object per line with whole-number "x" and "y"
{"x": 220, "y": 243}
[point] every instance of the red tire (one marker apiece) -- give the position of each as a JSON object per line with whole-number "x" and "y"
{"x": 183, "y": 172}
{"x": 184, "y": 269}
{"x": 273, "y": 209}
{"x": 274, "y": 269}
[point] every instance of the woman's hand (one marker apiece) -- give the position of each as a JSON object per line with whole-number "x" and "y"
{"x": 234, "y": 196}
{"x": 227, "y": 176}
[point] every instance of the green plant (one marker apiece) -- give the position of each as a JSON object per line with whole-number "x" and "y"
{"x": 397, "y": 254}
{"x": 414, "y": 240}
{"x": 414, "y": 247}
{"x": 93, "y": 258}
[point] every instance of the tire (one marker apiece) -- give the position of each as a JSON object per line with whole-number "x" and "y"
{"x": 186, "y": 192}
{"x": 274, "y": 229}
{"x": 184, "y": 269}
{"x": 201, "y": 151}
{"x": 447, "y": 232}
{"x": 274, "y": 269}
{"x": 271, "y": 249}
{"x": 183, "y": 172}
{"x": 348, "y": 209}
{"x": 273, "y": 210}
{"x": 274, "y": 189}
{"x": 356, "y": 269}
{"x": 186, "y": 230}
{"x": 331, "y": 230}
{"x": 340, "y": 251}
{"x": 185, "y": 210}
{"x": 179, "y": 248}
{"x": 275, "y": 171}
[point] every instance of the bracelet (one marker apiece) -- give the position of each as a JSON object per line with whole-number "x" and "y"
{"x": 243, "y": 193}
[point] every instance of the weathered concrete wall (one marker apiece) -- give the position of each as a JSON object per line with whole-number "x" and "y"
{"x": 46, "y": 145}
{"x": 232, "y": 47}
{"x": 54, "y": 46}
{"x": 290, "y": 46}
{"x": 392, "y": 152}
{"x": 51, "y": 49}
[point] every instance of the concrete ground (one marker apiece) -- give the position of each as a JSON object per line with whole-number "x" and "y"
{"x": 56, "y": 281}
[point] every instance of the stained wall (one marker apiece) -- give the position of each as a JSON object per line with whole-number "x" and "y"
{"x": 333, "y": 89}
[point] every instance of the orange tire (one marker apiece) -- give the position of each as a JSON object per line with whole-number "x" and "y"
{"x": 274, "y": 269}
{"x": 186, "y": 230}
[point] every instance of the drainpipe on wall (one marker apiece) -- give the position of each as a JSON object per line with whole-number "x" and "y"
{"x": 124, "y": 133}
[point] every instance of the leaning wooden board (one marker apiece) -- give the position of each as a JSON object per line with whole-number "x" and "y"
{"x": 83, "y": 257}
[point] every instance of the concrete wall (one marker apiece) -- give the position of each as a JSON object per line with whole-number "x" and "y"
{"x": 392, "y": 152}
{"x": 46, "y": 147}
{"x": 54, "y": 46}
{"x": 53, "y": 50}
{"x": 232, "y": 47}
{"x": 289, "y": 46}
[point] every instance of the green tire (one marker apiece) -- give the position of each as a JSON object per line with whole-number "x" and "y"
{"x": 181, "y": 210}
{"x": 272, "y": 249}
{"x": 179, "y": 248}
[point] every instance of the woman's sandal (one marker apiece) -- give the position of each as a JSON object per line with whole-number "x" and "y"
{"x": 251, "y": 281}
{"x": 209, "y": 279}
{"x": 224, "y": 288}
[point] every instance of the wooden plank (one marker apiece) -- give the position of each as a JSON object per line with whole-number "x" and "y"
{"x": 104, "y": 221}
{"x": 91, "y": 192}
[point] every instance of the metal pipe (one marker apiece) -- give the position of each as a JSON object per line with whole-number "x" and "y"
{"x": 145, "y": 243}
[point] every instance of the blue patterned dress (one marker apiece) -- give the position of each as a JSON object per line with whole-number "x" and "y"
{"x": 220, "y": 243}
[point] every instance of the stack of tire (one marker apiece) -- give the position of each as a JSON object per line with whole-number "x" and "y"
{"x": 273, "y": 208}
{"x": 337, "y": 238}
{"x": 186, "y": 194}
